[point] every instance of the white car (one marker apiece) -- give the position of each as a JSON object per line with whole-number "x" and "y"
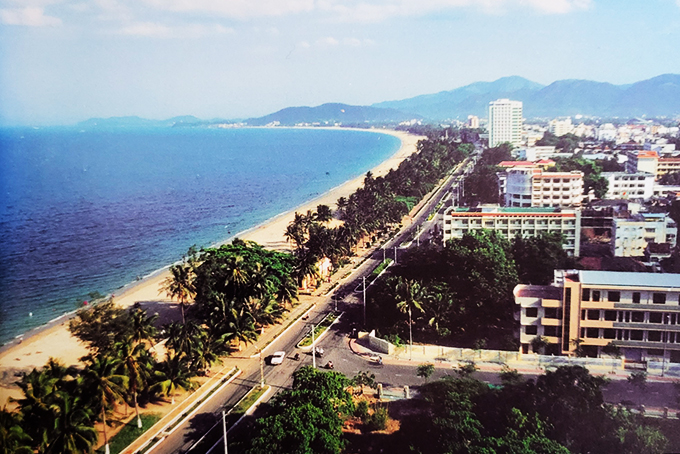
{"x": 277, "y": 358}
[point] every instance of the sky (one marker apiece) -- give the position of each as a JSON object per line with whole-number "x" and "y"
{"x": 64, "y": 61}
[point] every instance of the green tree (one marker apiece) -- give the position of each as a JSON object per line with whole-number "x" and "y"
{"x": 409, "y": 298}
{"x": 539, "y": 344}
{"x": 364, "y": 379}
{"x": 171, "y": 375}
{"x": 324, "y": 213}
{"x": 13, "y": 439}
{"x": 425, "y": 370}
{"x": 180, "y": 284}
{"x": 537, "y": 257}
{"x": 100, "y": 326}
{"x": 73, "y": 430}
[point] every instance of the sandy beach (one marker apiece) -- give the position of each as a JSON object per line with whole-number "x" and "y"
{"x": 56, "y": 341}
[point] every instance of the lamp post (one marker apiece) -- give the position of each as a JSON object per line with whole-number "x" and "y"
{"x": 395, "y": 255}
{"x": 364, "y": 279}
{"x": 313, "y": 347}
{"x": 224, "y": 430}
{"x": 259, "y": 350}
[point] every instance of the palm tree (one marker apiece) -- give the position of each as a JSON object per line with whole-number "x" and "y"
{"x": 135, "y": 365}
{"x": 39, "y": 389}
{"x": 180, "y": 284}
{"x": 142, "y": 327}
{"x": 409, "y": 296}
{"x": 305, "y": 267}
{"x": 13, "y": 439}
{"x": 103, "y": 381}
{"x": 324, "y": 213}
{"x": 73, "y": 430}
{"x": 172, "y": 374}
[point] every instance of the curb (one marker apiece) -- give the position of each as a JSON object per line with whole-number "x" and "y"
{"x": 179, "y": 421}
{"x": 285, "y": 330}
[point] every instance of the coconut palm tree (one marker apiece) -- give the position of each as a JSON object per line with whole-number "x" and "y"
{"x": 73, "y": 430}
{"x": 142, "y": 327}
{"x": 135, "y": 365}
{"x": 180, "y": 284}
{"x": 39, "y": 389}
{"x": 102, "y": 380}
{"x": 171, "y": 375}
{"x": 324, "y": 213}
{"x": 409, "y": 296}
{"x": 305, "y": 267}
{"x": 13, "y": 439}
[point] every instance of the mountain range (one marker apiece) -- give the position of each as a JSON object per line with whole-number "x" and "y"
{"x": 655, "y": 97}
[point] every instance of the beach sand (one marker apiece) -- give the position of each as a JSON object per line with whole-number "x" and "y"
{"x": 56, "y": 341}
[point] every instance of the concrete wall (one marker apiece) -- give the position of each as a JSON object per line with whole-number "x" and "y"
{"x": 380, "y": 345}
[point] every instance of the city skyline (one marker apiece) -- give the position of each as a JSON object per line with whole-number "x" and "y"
{"x": 63, "y": 61}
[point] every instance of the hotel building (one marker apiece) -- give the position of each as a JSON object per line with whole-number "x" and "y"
{"x": 639, "y": 312}
{"x": 532, "y": 187}
{"x": 505, "y": 122}
{"x": 510, "y": 222}
{"x": 630, "y": 236}
{"x": 624, "y": 185}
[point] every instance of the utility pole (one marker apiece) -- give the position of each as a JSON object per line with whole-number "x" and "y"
{"x": 395, "y": 255}
{"x": 383, "y": 254}
{"x": 224, "y": 430}
{"x": 665, "y": 341}
{"x": 313, "y": 348}
{"x": 261, "y": 370}
{"x": 365, "y": 300}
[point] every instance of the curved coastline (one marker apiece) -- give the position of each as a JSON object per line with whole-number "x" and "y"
{"x": 35, "y": 347}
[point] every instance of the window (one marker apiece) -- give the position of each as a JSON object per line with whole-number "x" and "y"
{"x": 659, "y": 298}
{"x": 636, "y": 297}
{"x": 550, "y": 331}
{"x": 593, "y": 333}
{"x": 655, "y": 317}
{"x": 610, "y": 316}
{"x": 596, "y": 295}
{"x": 552, "y": 312}
{"x": 532, "y": 312}
{"x": 614, "y": 297}
{"x": 593, "y": 314}
{"x": 636, "y": 335}
{"x": 609, "y": 334}
{"x": 654, "y": 336}
{"x": 583, "y": 315}
{"x": 585, "y": 294}
{"x": 638, "y": 317}
{"x": 531, "y": 329}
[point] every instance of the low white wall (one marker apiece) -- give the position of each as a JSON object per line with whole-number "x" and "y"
{"x": 379, "y": 345}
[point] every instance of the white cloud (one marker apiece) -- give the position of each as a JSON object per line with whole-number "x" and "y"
{"x": 239, "y": 9}
{"x": 157, "y": 30}
{"x": 31, "y": 16}
{"x": 327, "y": 41}
{"x": 558, "y": 6}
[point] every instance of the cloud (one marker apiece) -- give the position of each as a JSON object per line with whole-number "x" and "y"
{"x": 238, "y": 9}
{"x": 31, "y": 16}
{"x": 329, "y": 41}
{"x": 559, "y": 6}
{"x": 188, "y": 31}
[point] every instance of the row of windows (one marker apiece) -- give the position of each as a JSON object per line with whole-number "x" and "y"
{"x": 630, "y": 335}
{"x": 548, "y": 312}
{"x": 631, "y": 316}
{"x": 615, "y": 296}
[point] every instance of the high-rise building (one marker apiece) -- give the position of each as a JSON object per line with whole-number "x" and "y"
{"x": 505, "y": 122}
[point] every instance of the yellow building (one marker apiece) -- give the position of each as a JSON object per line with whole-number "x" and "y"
{"x": 639, "y": 312}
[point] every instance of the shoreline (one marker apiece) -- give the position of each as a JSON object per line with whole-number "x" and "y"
{"x": 53, "y": 338}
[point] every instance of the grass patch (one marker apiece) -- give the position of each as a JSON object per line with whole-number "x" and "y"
{"x": 379, "y": 269}
{"x": 410, "y": 202}
{"x": 130, "y": 432}
{"x": 318, "y": 329}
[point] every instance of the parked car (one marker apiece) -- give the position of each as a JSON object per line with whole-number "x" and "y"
{"x": 318, "y": 351}
{"x": 277, "y": 358}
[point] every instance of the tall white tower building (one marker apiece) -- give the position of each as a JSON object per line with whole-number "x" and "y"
{"x": 505, "y": 122}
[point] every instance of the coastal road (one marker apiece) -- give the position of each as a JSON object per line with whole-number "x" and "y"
{"x": 280, "y": 377}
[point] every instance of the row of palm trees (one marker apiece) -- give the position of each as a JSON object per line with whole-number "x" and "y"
{"x": 61, "y": 405}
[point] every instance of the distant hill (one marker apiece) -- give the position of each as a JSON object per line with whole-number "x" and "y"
{"x": 659, "y": 96}
{"x": 331, "y": 114}
{"x": 138, "y": 122}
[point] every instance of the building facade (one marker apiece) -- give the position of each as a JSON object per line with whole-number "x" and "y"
{"x": 622, "y": 185}
{"x": 532, "y": 187}
{"x": 510, "y": 222}
{"x": 505, "y": 122}
{"x": 582, "y": 309}
{"x": 630, "y": 236}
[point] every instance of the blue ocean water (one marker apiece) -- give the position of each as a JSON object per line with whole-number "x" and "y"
{"x": 84, "y": 211}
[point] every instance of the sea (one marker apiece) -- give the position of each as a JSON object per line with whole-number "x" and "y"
{"x": 85, "y": 211}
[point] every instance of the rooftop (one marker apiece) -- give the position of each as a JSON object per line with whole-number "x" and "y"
{"x": 538, "y": 291}
{"x": 629, "y": 279}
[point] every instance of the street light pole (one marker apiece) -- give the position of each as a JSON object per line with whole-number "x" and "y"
{"x": 395, "y": 255}
{"x": 224, "y": 430}
{"x": 364, "y": 301}
{"x": 261, "y": 370}
{"x": 313, "y": 348}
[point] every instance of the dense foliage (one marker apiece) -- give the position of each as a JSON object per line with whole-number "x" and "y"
{"x": 592, "y": 178}
{"x": 562, "y": 411}
{"x": 306, "y": 419}
{"x": 443, "y": 301}
{"x": 482, "y": 184}
{"x": 567, "y": 142}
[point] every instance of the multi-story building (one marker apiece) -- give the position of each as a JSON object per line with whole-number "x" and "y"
{"x": 472, "y": 122}
{"x": 639, "y": 312}
{"x": 630, "y": 236}
{"x": 650, "y": 162}
{"x": 505, "y": 122}
{"x": 667, "y": 165}
{"x": 560, "y": 127}
{"x": 622, "y": 185}
{"x": 510, "y": 222}
{"x": 532, "y": 187}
